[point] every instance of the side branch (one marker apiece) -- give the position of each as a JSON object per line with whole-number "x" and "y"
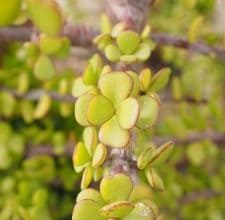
{"x": 182, "y": 42}
{"x": 218, "y": 138}
{"x": 200, "y": 195}
{"x": 81, "y": 35}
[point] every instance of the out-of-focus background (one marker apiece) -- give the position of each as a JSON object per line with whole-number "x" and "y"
{"x": 35, "y": 163}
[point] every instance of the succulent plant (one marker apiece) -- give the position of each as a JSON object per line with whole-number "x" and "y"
{"x": 111, "y": 105}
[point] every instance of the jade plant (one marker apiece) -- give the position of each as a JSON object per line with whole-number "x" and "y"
{"x": 113, "y": 105}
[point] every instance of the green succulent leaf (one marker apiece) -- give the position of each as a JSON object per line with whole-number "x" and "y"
{"x": 90, "y": 137}
{"x": 112, "y": 53}
{"x": 100, "y": 110}
{"x": 43, "y": 107}
{"x": 143, "y": 52}
{"x": 149, "y": 108}
{"x": 154, "y": 179}
{"x": 160, "y": 154}
{"x": 128, "y": 42}
{"x": 43, "y": 68}
{"x": 81, "y": 108}
{"x": 136, "y": 83}
{"x": 81, "y": 156}
{"x": 99, "y": 155}
{"x": 93, "y": 70}
{"x": 98, "y": 173}
{"x": 79, "y": 88}
{"x": 160, "y": 79}
{"x": 117, "y": 29}
{"x": 127, "y": 113}
{"x": 116, "y": 86}
{"x": 117, "y": 209}
{"x": 9, "y": 10}
{"x": 86, "y": 210}
{"x": 140, "y": 212}
{"x": 46, "y": 15}
{"x": 103, "y": 41}
{"x": 145, "y": 79}
{"x": 145, "y": 158}
{"x": 106, "y": 25}
{"x": 113, "y": 135}
{"x": 87, "y": 177}
{"x": 116, "y": 188}
{"x": 146, "y": 32}
{"x": 90, "y": 194}
{"x": 140, "y": 192}
{"x": 50, "y": 45}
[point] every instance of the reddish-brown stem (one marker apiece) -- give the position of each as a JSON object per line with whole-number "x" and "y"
{"x": 81, "y": 35}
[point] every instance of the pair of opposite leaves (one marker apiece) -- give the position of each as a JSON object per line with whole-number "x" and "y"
{"x": 118, "y": 199}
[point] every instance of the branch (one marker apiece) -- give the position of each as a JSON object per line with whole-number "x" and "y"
{"x": 81, "y": 35}
{"x": 182, "y": 42}
{"x": 200, "y": 195}
{"x": 218, "y": 138}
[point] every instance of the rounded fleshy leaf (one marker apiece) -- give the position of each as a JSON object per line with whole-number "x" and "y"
{"x": 149, "y": 109}
{"x": 106, "y": 25}
{"x": 86, "y": 210}
{"x": 116, "y": 86}
{"x": 118, "y": 28}
{"x": 128, "y": 41}
{"x": 43, "y": 107}
{"x": 99, "y": 155}
{"x": 153, "y": 207}
{"x": 98, "y": 173}
{"x": 113, "y": 135}
{"x": 103, "y": 41}
{"x": 50, "y": 45}
{"x": 128, "y": 59}
{"x": 100, "y": 110}
{"x": 81, "y": 107}
{"x": 160, "y": 79}
{"x": 136, "y": 83}
{"x": 112, "y": 53}
{"x": 160, "y": 154}
{"x": 90, "y": 137}
{"x": 106, "y": 69}
{"x": 140, "y": 212}
{"x": 90, "y": 194}
{"x": 146, "y": 32}
{"x": 80, "y": 155}
{"x": 46, "y": 15}
{"x": 140, "y": 192}
{"x": 43, "y": 68}
{"x": 93, "y": 70}
{"x": 127, "y": 113}
{"x": 116, "y": 188}
{"x": 143, "y": 52}
{"x": 154, "y": 179}
{"x": 9, "y": 10}
{"x": 145, "y": 158}
{"x": 117, "y": 209}
{"x": 145, "y": 79}
{"x": 79, "y": 88}
{"x": 87, "y": 177}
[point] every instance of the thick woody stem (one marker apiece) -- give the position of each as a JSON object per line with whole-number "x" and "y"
{"x": 132, "y": 12}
